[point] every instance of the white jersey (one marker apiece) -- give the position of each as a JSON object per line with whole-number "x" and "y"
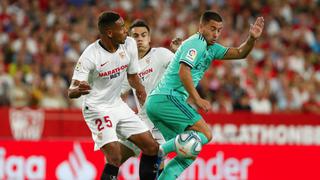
{"x": 105, "y": 72}
{"x": 152, "y": 67}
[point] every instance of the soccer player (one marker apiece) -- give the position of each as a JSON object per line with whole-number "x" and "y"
{"x": 98, "y": 75}
{"x": 167, "y": 107}
{"x": 153, "y": 62}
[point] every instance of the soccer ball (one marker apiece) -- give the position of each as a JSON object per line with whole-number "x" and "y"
{"x": 188, "y": 144}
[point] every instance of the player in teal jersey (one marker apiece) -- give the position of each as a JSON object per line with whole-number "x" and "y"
{"x": 167, "y": 105}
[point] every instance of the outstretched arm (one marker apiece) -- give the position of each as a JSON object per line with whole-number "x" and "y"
{"x": 244, "y": 49}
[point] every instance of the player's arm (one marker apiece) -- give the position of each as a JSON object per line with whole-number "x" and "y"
{"x": 244, "y": 49}
{"x": 186, "y": 79}
{"x": 78, "y": 88}
{"x": 79, "y": 84}
{"x": 135, "y": 83}
{"x": 133, "y": 69}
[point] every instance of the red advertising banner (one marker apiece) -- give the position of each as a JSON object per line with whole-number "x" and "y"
{"x": 73, "y": 160}
{"x": 49, "y": 160}
{"x": 235, "y": 128}
{"x": 245, "y": 146}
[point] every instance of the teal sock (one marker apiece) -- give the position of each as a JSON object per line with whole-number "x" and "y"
{"x": 175, "y": 167}
{"x": 204, "y": 139}
{"x": 168, "y": 147}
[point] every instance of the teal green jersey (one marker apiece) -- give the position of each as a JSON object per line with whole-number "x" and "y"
{"x": 195, "y": 53}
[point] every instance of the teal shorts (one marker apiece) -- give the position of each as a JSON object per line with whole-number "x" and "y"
{"x": 172, "y": 115}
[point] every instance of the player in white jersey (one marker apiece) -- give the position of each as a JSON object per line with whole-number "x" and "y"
{"x": 152, "y": 62}
{"x": 98, "y": 75}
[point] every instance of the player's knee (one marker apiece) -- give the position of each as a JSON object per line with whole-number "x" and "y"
{"x": 112, "y": 153}
{"x": 208, "y": 134}
{"x": 114, "y": 159}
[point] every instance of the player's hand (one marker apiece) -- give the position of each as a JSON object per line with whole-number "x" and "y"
{"x": 257, "y": 28}
{"x": 84, "y": 88}
{"x": 141, "y": 95}
{"x": 203, "y": 104}
{"x": 175, "y": 43}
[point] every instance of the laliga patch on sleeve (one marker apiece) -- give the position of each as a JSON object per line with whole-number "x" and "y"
{"x": 191, "y": 55}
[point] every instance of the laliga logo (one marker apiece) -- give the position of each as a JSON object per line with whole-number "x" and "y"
{"x": 191, "y": 55}
{"x": 76, "y": 167}
{"x": 26, "y": 123}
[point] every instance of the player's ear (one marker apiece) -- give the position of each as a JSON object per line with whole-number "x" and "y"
{"x": 200, "y": 26}
{"x": 109, "y": 33}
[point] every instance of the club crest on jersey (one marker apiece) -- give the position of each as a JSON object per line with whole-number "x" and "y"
{"x": 148, "y": 60}
{"x": 122, "y": 54}
{"x": 191, "y": 55}
{"x": 78, "y": 66}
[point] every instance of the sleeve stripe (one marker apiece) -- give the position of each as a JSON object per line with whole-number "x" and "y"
{"x": 187, "y": 63}
{"x": 227, "y": 49}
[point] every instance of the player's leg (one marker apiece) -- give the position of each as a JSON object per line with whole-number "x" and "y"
{"x": 174, "y": 117}
{"x": 146, "y": 167}
{"x": 113, "y": 157}
{"x": 175, "y": 167}
{"x": 135, "y": 130}
{"x": 128, "y": 150}
{"x": 203, "y": 130}
{"x": 178, "y": 164}
{"x": 157, "y": 135}
{"x": 102, "y": 124}
{"x": 149, "y": 161}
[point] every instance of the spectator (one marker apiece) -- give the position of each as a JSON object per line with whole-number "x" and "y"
{"x": 261, "y": 103}
{"x": 6, "y": 83}
{"x": 19, "y": 94}
{"x": 243, "y": 104}
{"x": 53, "y": 34}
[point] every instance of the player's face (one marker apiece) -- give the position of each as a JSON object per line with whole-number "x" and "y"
{"x": 142, "y": 37}
{"x": 211, "y": 31}
{"x": 119, "y": 32}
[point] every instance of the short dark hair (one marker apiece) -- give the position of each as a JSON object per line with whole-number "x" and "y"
{"x": 139, "y": 23}
{"x": 210, "y": 15}
{"x": 107, "y": 19}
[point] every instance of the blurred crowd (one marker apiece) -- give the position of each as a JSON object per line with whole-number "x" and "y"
{"x": 40, "y": 42}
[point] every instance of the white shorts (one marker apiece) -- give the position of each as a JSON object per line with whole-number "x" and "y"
{"x": 111, "y": 124}
{"x": 154, "y": 131}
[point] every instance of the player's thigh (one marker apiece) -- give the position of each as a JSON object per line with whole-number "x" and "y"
{"x": 135, "y": 130}
{"x": 112, "y": 152}
{"x": 102, "y": 124}
{"x": 145, "y": 142}
{"x": 127, "y": 152}
{"x": 172, "y": 115}
{"x": 130, "y": 125}
{"x": 167, "y": 133}
{"x": 129, "y": 149}
{"x": 157, "y": 135}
